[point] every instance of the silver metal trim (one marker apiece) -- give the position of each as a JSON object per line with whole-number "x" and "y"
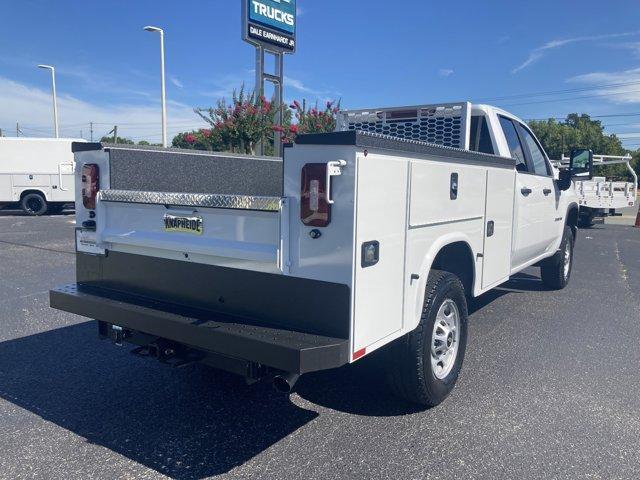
{"x": 204, "y": 200}
{"x": 443, "y": 222}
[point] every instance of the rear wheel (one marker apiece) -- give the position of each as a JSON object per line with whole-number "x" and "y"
{"x": 33, "y": 204}
{"x": 423, "y": 366}
{"x": 556, "y": 271}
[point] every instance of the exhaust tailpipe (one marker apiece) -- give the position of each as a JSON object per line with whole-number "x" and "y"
{"x": 285, "y": 382}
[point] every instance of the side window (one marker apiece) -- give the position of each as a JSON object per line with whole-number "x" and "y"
{"x": 513, "y": 141}
{"x": 480, "y": 138}
{"x": 537, "y": 156}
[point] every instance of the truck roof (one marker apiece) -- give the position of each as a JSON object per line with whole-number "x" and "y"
{"x": 40, "y": 139}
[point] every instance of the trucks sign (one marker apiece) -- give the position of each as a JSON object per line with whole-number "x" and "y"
{"x": 270, "y": 24}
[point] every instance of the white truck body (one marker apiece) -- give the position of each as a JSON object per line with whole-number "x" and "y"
{"x": 601, "y": 197}
{"x": 394, "y": 210}
{"x": 44, "y": 166}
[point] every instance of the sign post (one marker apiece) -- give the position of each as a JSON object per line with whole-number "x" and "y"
{"x": 270, "y": 25}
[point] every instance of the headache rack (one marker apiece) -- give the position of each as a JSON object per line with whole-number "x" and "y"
{"x": 445, "y": 124}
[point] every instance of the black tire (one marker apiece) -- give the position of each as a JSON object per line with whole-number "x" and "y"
{"x": 585, "y": 219}
{"x": 408, "y": 360}
{"x": 34, "y": 204}
{"x": 553, "y": 272}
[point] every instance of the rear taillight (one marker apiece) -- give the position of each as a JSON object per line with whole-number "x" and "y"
{"x": 315, "y": 210}
{"x": 90, "y": 185}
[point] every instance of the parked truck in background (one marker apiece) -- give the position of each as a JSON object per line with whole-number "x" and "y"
{"x": 371, "y": 238}
{"x": 599, "y": 197}
{"x": 36, "y": 174}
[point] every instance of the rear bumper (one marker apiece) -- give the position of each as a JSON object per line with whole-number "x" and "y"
{"x": 205, "y": 330}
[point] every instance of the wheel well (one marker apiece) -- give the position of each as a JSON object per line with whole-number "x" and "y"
{"x": 572, "y": 219}
{"x": 457, "y": 258}
{"x": 27, "y": 192}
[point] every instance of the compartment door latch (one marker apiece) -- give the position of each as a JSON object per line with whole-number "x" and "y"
{"x": 334, "y": 169}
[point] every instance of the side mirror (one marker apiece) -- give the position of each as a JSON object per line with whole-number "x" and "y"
{"x": 581, "y": 163}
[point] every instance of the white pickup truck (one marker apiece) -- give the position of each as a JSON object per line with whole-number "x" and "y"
{"x": 356, "y": 241}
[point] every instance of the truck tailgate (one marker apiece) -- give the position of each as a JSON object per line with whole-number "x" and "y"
{"x": 231, "y": 230}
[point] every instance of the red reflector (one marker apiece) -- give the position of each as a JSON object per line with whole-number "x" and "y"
{"x": 90, "y": 185}
{"x": 359, "y": 353}
{"x": 315, "y": 211}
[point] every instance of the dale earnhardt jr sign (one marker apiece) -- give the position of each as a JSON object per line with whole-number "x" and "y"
{"x": 270, "y": 23}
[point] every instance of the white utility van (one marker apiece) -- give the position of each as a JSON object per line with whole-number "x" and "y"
{"x": 36, "y": 174}
{"x": 371, "y": 238}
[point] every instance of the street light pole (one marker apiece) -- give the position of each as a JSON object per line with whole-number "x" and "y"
{"x": 55, "y": 101}
{"x": 162, "y": 83}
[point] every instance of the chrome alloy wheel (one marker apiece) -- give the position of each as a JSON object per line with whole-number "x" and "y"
{"x": 445, "y": 339}
{"x": 567, "y": 260}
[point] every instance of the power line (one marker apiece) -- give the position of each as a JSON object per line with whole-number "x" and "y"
{"x": 560, "y": 92}
{"x": 571, "y": 98}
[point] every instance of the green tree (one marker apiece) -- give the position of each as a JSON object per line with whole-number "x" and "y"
{"x": 240, "y": 125}
{"x": 122, "y": 140}
{"x": 580, "y": 131}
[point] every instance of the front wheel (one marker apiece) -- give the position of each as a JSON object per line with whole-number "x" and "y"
{"x": 33, "y": 204}
{"x": 556, "y": 270}
{"x": 423, "y": 366}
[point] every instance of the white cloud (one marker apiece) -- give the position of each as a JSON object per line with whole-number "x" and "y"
{"x": 634, "y": 47}
{"x": 623, "y": 87}
{"x": 539, "y": 52}
{"x": 32, "y": 108}
{"x": 316, "y": 94}
{"x": 176, "y": 82}
{"x": 445, "y": 72}
{"x": 301, "y": 87}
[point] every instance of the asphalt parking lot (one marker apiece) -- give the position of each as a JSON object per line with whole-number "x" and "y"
{"x": 550, "y": 388}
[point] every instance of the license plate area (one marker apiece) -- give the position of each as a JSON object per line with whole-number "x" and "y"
{"x": 192, "y": 224}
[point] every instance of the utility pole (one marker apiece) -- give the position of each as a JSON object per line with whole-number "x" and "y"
{"x": 17, "y": 129}
{"x": 115, "y": 134}
{"x": 91, "y": 126}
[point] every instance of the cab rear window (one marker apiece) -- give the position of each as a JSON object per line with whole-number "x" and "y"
{"x": 480, "y": 138}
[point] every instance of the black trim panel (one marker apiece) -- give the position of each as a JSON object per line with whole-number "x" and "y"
{"x": 386, "y": 142}
{"x": 264, "y": 299}
{"x": 85, "y": 146}
{"x": 222, "y": 334}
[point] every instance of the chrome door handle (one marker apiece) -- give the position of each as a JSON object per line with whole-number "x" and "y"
{"x": 525, "y": 191}
{"x": 546, "y": 191}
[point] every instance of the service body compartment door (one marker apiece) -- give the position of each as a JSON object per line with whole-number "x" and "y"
{"x": 381, "y": 224}
{"x": 498, "y": 226}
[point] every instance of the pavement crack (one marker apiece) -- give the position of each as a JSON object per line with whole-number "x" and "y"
{"x": 24, "y": 245}
{"x": 621, "y": 267}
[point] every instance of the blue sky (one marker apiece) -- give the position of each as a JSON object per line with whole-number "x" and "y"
{"x": 368, "y": 53}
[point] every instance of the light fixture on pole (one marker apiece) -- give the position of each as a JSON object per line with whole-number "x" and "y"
{"x": 55, "y": 101}
{"x": 162, "y": 86}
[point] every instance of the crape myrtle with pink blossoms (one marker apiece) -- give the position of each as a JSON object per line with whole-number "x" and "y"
{"x": 249, "y": 119}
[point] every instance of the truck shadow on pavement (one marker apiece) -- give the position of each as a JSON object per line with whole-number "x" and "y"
{"x": 186, "y": 423}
